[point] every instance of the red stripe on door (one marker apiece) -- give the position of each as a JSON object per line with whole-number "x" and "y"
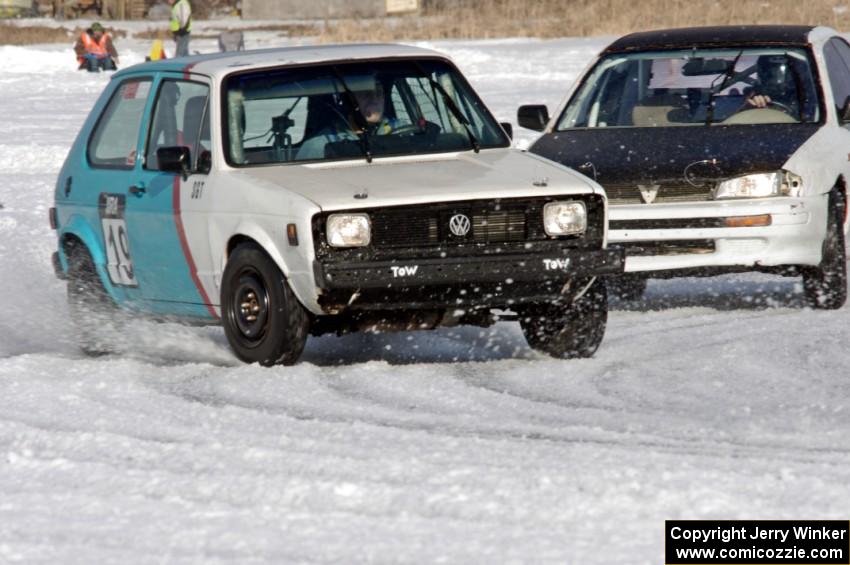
{"x": 184, "y": 244}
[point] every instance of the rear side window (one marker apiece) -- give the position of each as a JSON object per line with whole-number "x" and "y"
{"x": 114, "y": 140}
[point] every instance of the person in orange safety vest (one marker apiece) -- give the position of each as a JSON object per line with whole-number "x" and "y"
{"x": 95, "y": 51}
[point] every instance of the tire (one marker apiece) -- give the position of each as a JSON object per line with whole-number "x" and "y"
{"x": 568, "y": 331}
{"x": 92, "y": 310}
{"x": 628, "y": 288}
{"x": 263, "y": 321}
{"x": 825, "y": 286}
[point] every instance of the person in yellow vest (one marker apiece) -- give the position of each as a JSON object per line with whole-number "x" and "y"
{"x": 181, "y": 25}
{"x": 95, "y": 51}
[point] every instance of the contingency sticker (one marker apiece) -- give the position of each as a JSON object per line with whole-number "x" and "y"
{"x": 119, "y": 262}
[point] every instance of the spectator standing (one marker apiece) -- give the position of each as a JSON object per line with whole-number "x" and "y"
{"x": 181, "y": 25}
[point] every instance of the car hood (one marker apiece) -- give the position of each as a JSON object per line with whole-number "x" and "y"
{"x": 632, "y": 155}
{"x": 497, "y": 173}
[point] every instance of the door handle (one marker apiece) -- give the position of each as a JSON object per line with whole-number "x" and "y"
{"x": 138, "y": 189}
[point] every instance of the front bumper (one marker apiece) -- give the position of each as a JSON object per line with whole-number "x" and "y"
{"x": 656, "y": 236}
{"x": 489, "y": 269}
{"x": 483, "y": 281}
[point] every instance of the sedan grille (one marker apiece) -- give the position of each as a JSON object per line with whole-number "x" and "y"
{"x": 630, "y": 193}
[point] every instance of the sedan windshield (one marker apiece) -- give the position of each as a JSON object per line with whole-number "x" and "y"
{"x": 353, "y": 110}
{"x": 696, "y": 87}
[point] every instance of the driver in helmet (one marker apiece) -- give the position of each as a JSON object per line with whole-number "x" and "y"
{"x": 368, "y": 94}
{"x": 370, "y": 100}
{"x": 775, "y": 84}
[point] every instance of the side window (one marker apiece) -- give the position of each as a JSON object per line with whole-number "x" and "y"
{"x": 837, "y": 67}
{"x": 181, "y": 118}
{"x": 113, "y": 142}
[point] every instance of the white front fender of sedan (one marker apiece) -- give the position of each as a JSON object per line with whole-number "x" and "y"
{"x": 822, "y": 160}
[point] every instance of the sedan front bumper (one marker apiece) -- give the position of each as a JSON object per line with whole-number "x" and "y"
{"x": 659, "y": 237}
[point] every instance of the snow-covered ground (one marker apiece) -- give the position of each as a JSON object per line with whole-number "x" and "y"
{"x": 720, "y": 398}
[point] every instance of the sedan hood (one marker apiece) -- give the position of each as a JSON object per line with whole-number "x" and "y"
{"x": 629, "y": 155}
{"x": 498, "y": 173}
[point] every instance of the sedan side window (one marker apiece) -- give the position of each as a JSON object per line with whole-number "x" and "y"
{"x": 116, "y": 135}
{"x": 181, "y": 118}
{"x": 837, "y": 55}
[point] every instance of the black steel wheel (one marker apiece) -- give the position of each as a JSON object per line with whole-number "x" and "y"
{"x": 825, "y": 286}
{"x": 568, "y": 331}
{"x": 263, "y": 321}
{"x": 250, "y": 307}
{"x": 93, "y": 313}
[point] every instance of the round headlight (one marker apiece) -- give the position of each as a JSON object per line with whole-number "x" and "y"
{"x": 564, "y": 218}
{"x": 349, "y": 230}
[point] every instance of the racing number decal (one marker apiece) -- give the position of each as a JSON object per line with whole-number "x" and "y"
{"x": 120, "y": 266}
{"x": 119, "y": 263}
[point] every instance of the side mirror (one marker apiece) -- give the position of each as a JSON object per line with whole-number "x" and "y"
{"x": 175, "y": 160}
{"x": 509, "y": 129}
{"x": 844, "y": 116}
{"x": 534, "y": 117}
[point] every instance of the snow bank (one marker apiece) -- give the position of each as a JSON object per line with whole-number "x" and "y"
{"x": 34, "y": 61}
{"x": 31, "y": 158}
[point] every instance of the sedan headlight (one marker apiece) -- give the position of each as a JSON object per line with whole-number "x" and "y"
{"x": 778, "y": 183}
{"x": 564, "y": 218}
{"x": 349, "y": 230}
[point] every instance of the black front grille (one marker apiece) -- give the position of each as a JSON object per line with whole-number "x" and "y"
{"x": 630, "y": 193}
{"x": 489, "y": 224}
{"x": 496, "y": 226}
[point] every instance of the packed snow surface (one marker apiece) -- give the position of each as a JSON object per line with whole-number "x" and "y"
{"x": 715, "y": 398}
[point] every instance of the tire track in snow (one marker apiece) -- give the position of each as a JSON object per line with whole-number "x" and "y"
{"x": 359, "y": 414}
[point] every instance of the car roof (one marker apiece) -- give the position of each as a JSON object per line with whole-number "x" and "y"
{"x": 713, "y": 36}
{"x": 219, "y": 64}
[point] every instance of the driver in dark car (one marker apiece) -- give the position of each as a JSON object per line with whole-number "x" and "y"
{"x": 776, "y": 84}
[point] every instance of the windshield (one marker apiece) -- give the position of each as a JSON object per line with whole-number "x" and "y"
{"x": 696, "y": 87}
{"x": 345, "y": 111}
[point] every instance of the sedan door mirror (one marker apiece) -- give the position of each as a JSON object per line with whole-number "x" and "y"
{"x": 175, "y": 160}
{"x": 844, "y": 116}
{"x": 534, "y": 117}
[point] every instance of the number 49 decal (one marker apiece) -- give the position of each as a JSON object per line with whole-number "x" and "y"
{"x": 119, "y": 263}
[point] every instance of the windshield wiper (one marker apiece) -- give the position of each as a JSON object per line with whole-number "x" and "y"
{"x": 727, "y": 76}
{"x": 450, "y": 104}
{"x": 361, "y": 122}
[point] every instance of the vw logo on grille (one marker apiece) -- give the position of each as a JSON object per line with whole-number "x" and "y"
{"x": 459, "y": 224}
